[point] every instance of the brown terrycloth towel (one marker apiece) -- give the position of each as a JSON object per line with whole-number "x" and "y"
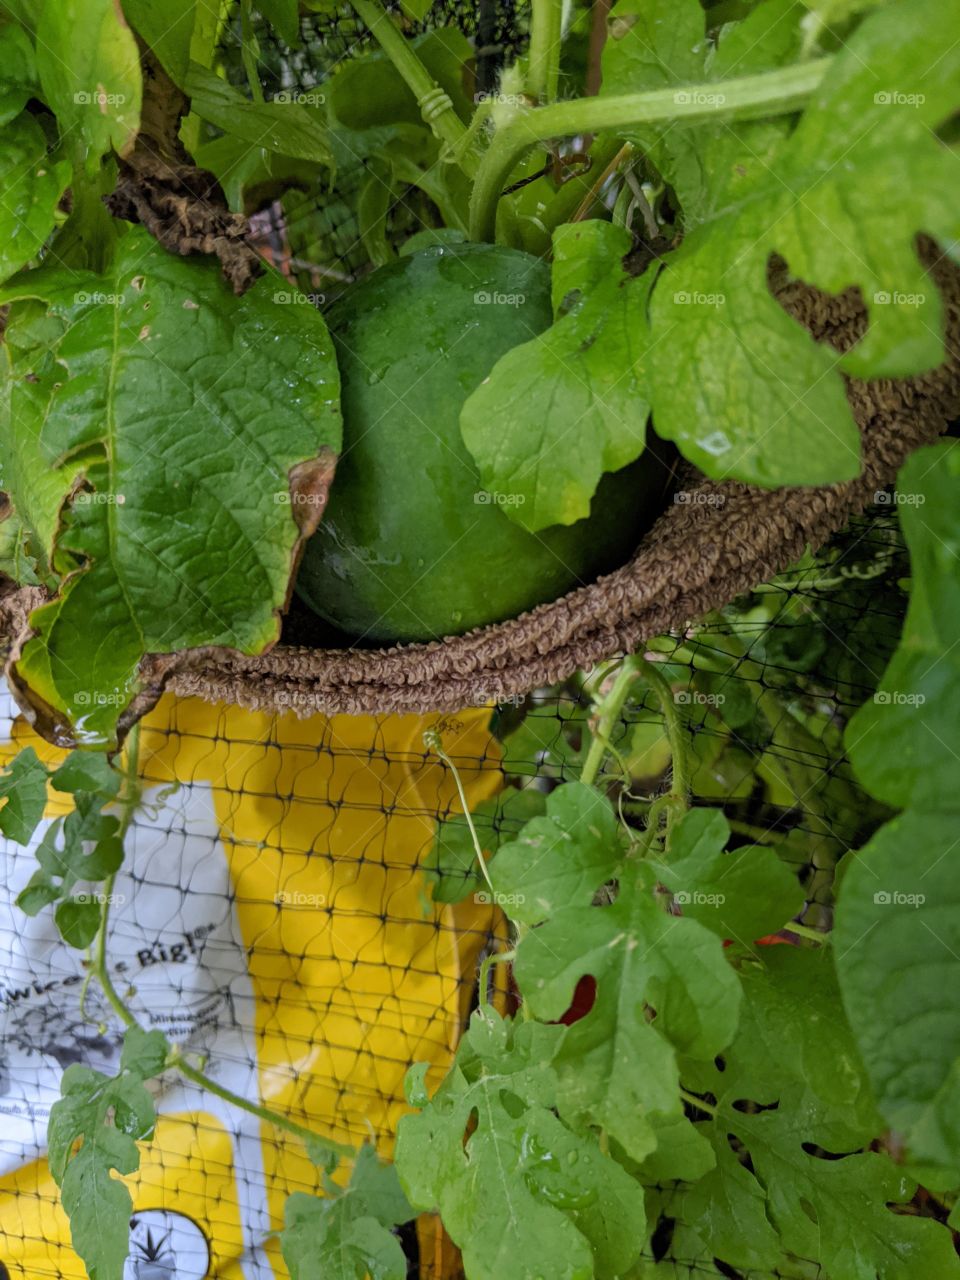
{"x": 698, "y": 556}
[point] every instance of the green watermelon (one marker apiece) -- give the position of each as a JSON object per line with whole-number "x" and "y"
{"x": 411, "y": 547}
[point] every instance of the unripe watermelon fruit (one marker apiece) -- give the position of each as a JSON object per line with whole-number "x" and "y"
{"x": 410, "y": 546}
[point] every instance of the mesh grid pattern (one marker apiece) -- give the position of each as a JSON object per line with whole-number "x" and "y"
{"x": 326, "y": 968}
{"x": 320, "y": 1006}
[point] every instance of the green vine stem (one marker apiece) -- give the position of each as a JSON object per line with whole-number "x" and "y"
{"x": 546, "y": 31}
{"x": 680, "y": 769}
{"x": 606, "y": 712}
{"x": 129, "y": 801}
{"x": 435, "y": 105}
{"x": 177, "y": 1060}
{"x": 746, "y": 97}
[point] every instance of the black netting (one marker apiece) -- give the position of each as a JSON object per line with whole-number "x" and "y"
{"x": 274, "y": 912}
{"x": 311, "y": 229}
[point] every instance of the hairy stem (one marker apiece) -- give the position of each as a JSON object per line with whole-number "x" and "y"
{"x": 747, "y": 97}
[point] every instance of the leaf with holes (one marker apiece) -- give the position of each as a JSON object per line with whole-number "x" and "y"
{"x": 663, "y": 988}
{"x": 519, "y": 1192}
{"x": 734, "y": 381}
{"x": 804, "y": 1119}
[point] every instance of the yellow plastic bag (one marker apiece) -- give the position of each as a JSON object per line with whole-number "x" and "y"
{"x": 271, "y": 914}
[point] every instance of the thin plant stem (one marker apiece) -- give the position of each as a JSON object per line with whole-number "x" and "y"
{"x": 129, "y": 801}
{"x": 130, "y": 798}
{"x": 176, "y": 1060}
{"x": 432, "y": 740}
{"x": 699, "y": 1103}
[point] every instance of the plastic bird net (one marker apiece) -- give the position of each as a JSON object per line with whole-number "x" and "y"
{"x": 307, "y": 224}
{"x": 286, "y": 908}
